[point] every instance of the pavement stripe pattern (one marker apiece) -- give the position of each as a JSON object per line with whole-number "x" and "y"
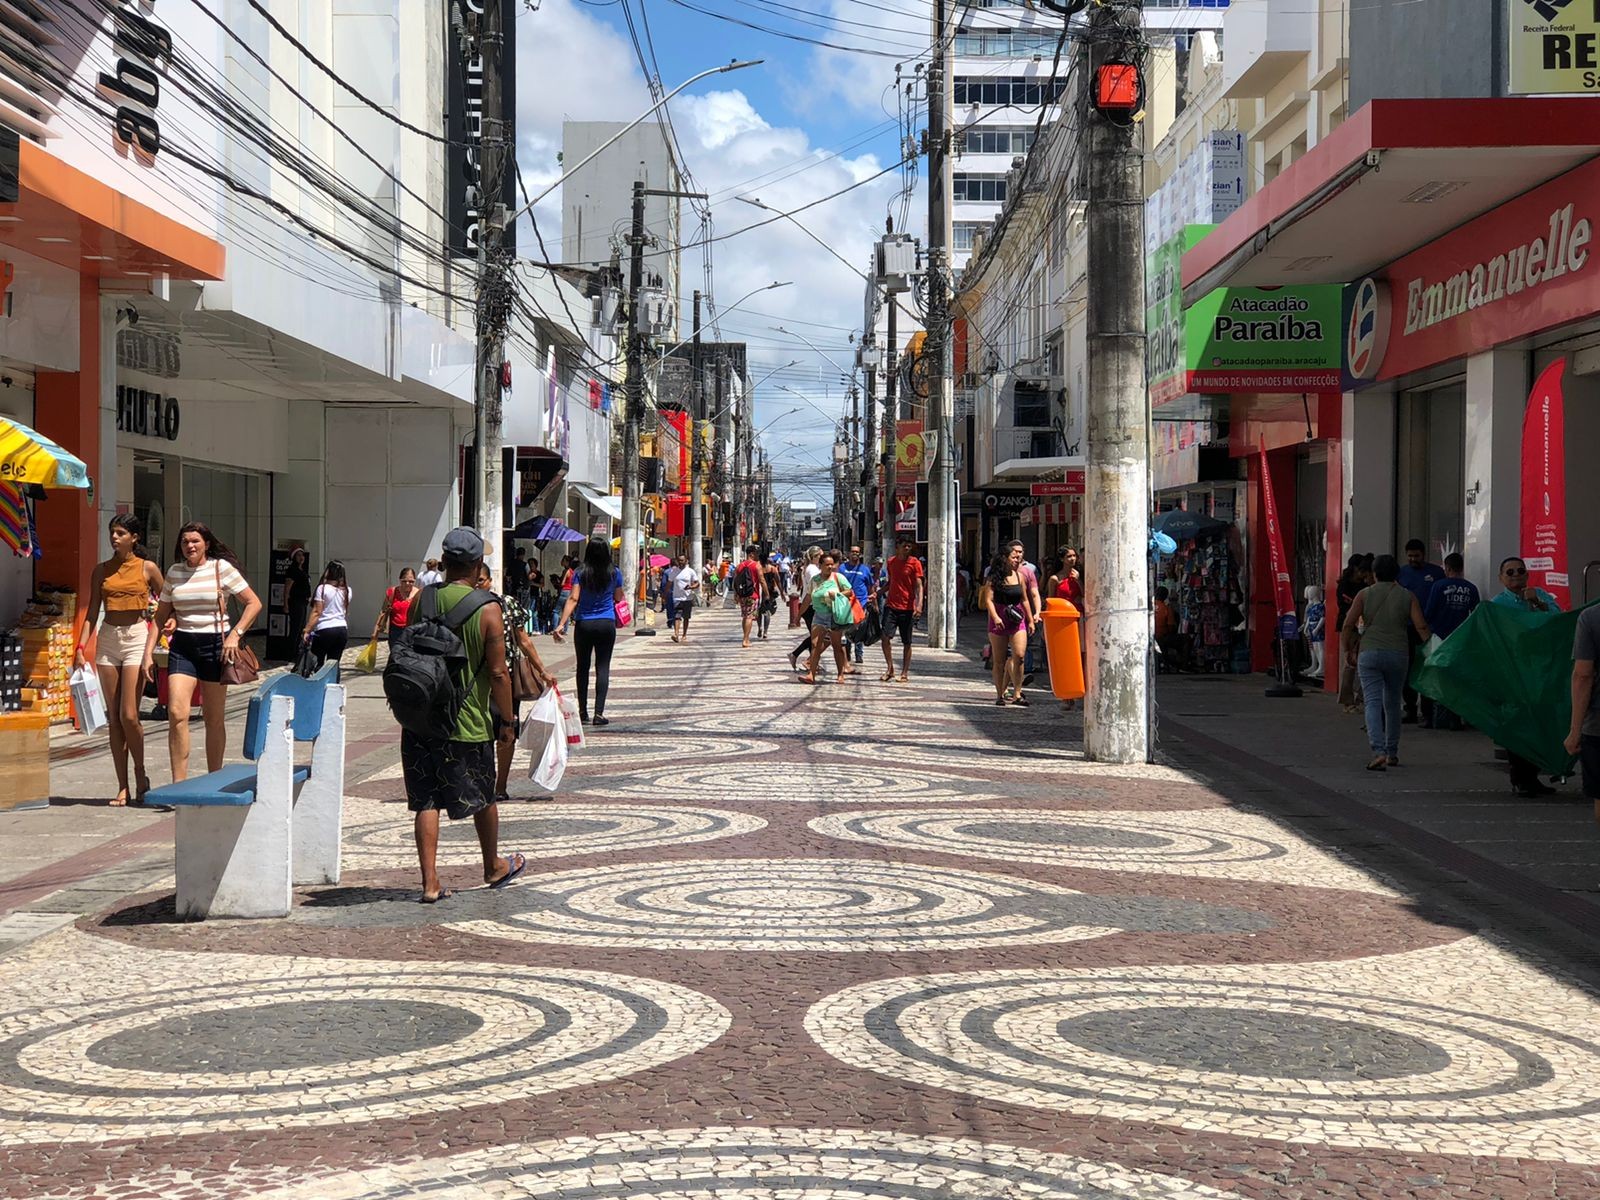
{"x": 866, "y": 941}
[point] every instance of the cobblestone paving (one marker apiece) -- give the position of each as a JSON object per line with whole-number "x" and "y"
{"x": 870, "y": 942}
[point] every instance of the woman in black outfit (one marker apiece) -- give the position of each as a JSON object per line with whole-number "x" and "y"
{"x": 596, "y": 591}
{"x": 1010, "y": 623}
{"x": 1351, "y": 581}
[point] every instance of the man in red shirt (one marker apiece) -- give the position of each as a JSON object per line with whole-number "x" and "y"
{"x": 747, "y": 582}
{"x": 905, "y": 606}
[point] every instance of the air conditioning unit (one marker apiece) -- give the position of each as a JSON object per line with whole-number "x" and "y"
{"x": 895, "y": 259}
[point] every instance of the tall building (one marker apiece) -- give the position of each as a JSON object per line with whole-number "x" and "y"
{"x": 597, "y": 200}
{"x": 1003, "y": 56}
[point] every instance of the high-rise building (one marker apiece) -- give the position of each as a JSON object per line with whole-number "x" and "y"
{"x": 597, "y": 200}
{"x": 1002, "y": 74}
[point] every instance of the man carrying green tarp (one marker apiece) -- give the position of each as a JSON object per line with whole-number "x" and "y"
{"x": 1508, "y": 671}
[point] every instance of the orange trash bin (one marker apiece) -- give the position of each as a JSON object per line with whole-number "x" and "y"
{"x": 1063, "y": 640}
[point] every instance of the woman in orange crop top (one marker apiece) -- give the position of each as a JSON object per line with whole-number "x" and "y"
{"x": 123, "y": 586}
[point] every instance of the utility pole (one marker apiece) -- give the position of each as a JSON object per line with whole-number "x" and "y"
{"x": 724, "y": 485}
{"x": 697, "y": 410}
{"x": 869, "y": 457}
{"x": 629, "y": 551}
{"x": 493, "y": 307}
{"x": 637, "y": 334}
{"x": 937, "y": 425}
{"x": 1116, "y": 716}
{"x": 891, "y": 427}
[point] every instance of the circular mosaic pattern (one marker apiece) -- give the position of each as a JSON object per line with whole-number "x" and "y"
{"x": 328, "y": 1043}
{"x": 646, "y": 747}
{"x": 1269, "y": 1059}
{"x": 979, "y": 756}
{"x": 826, "y": 783}
{"x": 847, "y": 905}
{"x": 558, "y": 831}
{"x": 750, "y": 1163}
{"x": 1126, "y": 841}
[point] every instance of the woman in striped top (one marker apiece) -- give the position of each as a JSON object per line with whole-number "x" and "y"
{"x": 193, "y": 614}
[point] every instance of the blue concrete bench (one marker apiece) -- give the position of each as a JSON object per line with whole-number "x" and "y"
{"x": 249, "y": 833}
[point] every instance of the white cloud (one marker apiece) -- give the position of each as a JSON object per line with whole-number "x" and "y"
{"x": 732, "y": 150}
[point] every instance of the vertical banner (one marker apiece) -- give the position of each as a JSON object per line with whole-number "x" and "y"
{"x": 463, "y": 126}
{"x": 1544, "y": 485}
{"x": 1288, "y": 628}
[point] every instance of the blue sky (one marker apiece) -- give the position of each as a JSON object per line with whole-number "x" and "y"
{"x": 806, "y": 124}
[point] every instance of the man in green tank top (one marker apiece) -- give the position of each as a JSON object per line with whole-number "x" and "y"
{"x": 456, "y": 775}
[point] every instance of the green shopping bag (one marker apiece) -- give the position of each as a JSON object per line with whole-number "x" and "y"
{"x": 1509, "y": 673}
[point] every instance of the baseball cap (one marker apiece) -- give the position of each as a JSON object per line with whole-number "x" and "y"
{"x": 462, "y": 545}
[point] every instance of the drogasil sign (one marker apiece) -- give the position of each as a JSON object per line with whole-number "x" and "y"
{"x": 1520, "y": 269}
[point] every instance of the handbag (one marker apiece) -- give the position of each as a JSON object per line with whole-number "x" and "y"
{"x": 525, "y": 683}
{"x": 624, "y": 613}
{"x": 245, "y": 667}
{"x": 841, "y": 609}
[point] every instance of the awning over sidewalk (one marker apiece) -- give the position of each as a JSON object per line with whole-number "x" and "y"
{"x": 75, "y": 220}
{"x": 1393, "y": 177}
{"x": 604, "y": 501}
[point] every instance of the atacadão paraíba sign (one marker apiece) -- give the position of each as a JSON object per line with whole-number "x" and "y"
{"x": 1284, "y": 339}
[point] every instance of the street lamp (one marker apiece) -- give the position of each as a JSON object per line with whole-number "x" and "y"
{"x": 751, "y": 200}
{"x": 722, "y": 312}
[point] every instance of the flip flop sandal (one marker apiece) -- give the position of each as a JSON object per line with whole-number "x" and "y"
{"x": 888, "y": 677}
{"x": 444, "y": 894}
{"x": 518, "y": 863}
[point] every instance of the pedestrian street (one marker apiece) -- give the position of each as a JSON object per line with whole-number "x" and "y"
{"x": 883, "y": 941}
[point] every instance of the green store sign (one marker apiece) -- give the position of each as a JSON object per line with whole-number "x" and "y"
{"x": 1284, "y": 339}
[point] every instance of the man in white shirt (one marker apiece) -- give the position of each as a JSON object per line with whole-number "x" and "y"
{"x": 685, "y": 587}
{"x": 430, "y": 574}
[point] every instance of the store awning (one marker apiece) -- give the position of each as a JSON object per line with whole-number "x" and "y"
{"x": 1396, "y": 175}
{"x": 75, "y": 220}
{"x": 27, "y": 456}
{"x": 604, "y": 501}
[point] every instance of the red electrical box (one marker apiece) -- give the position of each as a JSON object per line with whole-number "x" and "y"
{"x": 1117, "y": 87}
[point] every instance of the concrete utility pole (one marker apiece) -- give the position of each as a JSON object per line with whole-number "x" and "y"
{"x": 1117, "y": 625}
{"x": 629, "y": 555}
{"x": 891, "y": 426}
{"x": 697, "y": 410}
{"x": 724, "y": 474}
{"x": 629, "y": 552}
{"x": 493, "y": 308}
{"x": 869, "y": 461}
{"x": 937, "y": 427}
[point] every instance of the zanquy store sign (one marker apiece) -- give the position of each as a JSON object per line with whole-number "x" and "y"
{"x": 1525, "y": 267}
{"x": 465, "y": 201}
{"x": 1237, "y": 339}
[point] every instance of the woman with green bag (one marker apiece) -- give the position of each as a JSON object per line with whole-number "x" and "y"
{"x": 830, "y": 617}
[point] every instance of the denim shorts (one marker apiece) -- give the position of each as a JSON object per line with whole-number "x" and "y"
{"x": 198, "y": 655}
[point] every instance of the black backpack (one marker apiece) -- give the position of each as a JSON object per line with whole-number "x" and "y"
{"x": 424, "y": 680}
{"x": 744, "y": 582}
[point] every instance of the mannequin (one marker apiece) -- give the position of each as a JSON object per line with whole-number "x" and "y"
{"x": 1312, "y": 628}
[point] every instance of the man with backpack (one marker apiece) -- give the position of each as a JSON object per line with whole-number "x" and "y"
{"x": 747, "y": 588}
{"x": 446, "y": 680}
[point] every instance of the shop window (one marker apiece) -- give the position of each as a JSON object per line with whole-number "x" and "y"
{"x": 1430, "y": 449}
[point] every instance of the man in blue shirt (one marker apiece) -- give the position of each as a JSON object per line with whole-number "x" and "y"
{"x": 1517, "y": 594}
{"x": 1418, "y": 576}
{"x": 861, "y": 582}
{"x": 1450, "y": 601}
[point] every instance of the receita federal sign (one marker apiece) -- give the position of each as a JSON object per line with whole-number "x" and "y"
{"x": 1520, "y": 269}
{"x": 1530, "y": 265}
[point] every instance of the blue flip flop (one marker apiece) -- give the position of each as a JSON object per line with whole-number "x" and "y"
{"x": 518, "y": 863}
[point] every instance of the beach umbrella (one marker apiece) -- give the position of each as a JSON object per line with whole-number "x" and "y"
{"x": 27, "y": 456}
{"x": 1180, "y": 524}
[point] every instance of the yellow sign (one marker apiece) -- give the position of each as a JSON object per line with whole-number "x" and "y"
{"x": 1555, "y": 47}
{"x": 910, "y": 452}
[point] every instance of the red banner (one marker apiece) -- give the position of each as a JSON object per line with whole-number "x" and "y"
{"x": 1277, "y": 560}
{"x": 1544, "y": 485}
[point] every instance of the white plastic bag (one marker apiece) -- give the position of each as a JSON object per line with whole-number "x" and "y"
{"x": 571, "y": 719}
{"x": 551, "y": 765}
{"x": 87, "y": 701}
{"x": 543, "y": 720}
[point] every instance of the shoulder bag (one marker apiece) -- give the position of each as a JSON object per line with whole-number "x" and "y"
{"x": 245, "y": 667}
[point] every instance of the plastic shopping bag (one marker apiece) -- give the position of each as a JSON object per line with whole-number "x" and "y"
{"x": 542, "y": 723}
{"x": 624, "y": 613}
{"x": 570, "y": 719}
{"x": 551, "y": 765}
{"x": 87, "y": 701}
{"x": 367, "y": 656}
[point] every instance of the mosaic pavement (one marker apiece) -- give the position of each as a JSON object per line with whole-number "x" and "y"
{"x": 871, "y": 942}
